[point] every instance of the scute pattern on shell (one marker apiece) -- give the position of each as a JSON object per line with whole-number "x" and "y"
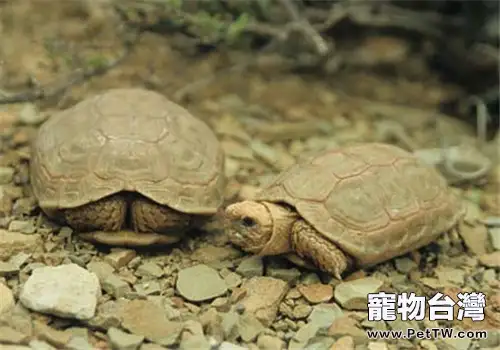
{"x": 132, "y": 140}
{"x": 375, "y": 201}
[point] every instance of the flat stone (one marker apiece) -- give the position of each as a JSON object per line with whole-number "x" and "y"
{"x": 199, "y": 283}
{"x": 101, "y": 269}
{"x": 405, "y": 265}
{"x": 303, "y": 336}
{"x": 120, "y": 257}
{"x": 301, "y": 311}
{"x": 230, "y": 346}
{"x": 49, "y": 290}
{"x": 22, "y": 226}
{"x": 352, "y": 295}
{"x": 79, "y": 343}
{"x": 490, "y": 260}
{"x": 148, "y": 288}
{"x": 268, "y": 342}
{"x": 12, "y": 243}
{"x": 494, "y": 233}
{"x": 263, "y": 296}
{"x": 347, "y": 326}
{"x": 232, "y": 280}
{"x": 251, "y": 267}
{"x": 6, "y": 299}
{"x": 343, "y": 343}
{"x": 8, "y": 269}
{"x": 149, "y": 269}
{"x": 124, "y": 341}
{"x": 6, "y": 175}
{"x": 11, "y": 336}
{"x": 147, "y": 318}
{"x": 40, "y": 345}
{"x": 211, "y": 253}
{"x": 115, "y": 286}
{"x": 316, "y": 293}
{"x": 249, "y": 327}
{"x": 323, "y": 315}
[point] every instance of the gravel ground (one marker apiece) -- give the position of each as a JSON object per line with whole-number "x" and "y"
{"x": 203, "y": 293}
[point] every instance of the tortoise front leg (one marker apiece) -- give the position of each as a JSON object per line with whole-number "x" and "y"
{"x": 309, "y": 243}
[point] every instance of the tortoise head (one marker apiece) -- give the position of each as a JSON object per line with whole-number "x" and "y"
{"x": 260, "y": 227}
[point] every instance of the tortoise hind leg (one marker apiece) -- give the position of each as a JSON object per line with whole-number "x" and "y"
{"x": 309, "y": 243}
{"x": 107, "y": 214}
{"x": 148, "y": 216}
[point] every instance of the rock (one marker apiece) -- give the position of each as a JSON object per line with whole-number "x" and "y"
{"x": 249, "y": 327}
{"x": 6, "y": 299}
{"x": 54, "y": 336}
{"x": 263, "y": 296}
{"x": 101, "y": 269}
{"x": 40, "y": 345}
{"x": 6, "y": 175}
{"x": 377, "y": 346}
{"x": 251, "y": 267}
{"x": 79, "y": 343}
{"x": 352, "y": 295}
{"x": 148, "y": 288}
{"x": 458, "y": 344}
{"x": 232, "y": 280}
{"x": 475, "y": 238}
{"x": 12, "y": 336}
{"x": 347, "y": 326}
{"x": 124, "y": 341}
{"x": 12, "y": 243}
{"x": 188, "y": 283}
{"x": 146, "y": 318}
{"x": 278, "y": 269}
{"x": 229, "y": 346}
{"x": 120, "y": 257}
{"x": 494, "y": 233}
{"x": 49, "y": 290}
{"x": 490, "y": 260}
{"x": 450, "y": 275}
{"x": 316, "y": 293}
{"x": 324, "y": 315}
{"x": 405, "y": 265}
{"x": 211, "y": 253}
{"x": 115, "y": 286}
{"x": 8, "y": 269}
{"x": 267, "y": 342}
{"x": 149, "y": 269}
{"x": 22, "y": 226}
{"x": 303, "y": 336}
{"x": 29, "y": 115}
{"x": 301, "y": 311}
{"x": 343, "y": 343}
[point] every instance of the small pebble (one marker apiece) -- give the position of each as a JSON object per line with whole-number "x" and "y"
{"x": 188, "y": 283}
{"x": 124, "y": 341}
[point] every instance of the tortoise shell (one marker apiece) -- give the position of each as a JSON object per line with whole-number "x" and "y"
{"x": 374, "y": 201}
{"x": 127, "y": 140}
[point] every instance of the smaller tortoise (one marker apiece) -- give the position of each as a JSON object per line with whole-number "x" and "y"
{"x": 127, "y": 158}
{"x": 344, "y": 208}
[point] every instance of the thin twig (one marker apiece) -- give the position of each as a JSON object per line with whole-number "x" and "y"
{"x": 303, "y": 25}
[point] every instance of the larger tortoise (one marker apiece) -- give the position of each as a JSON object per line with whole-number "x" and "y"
{"x": 349, "y": 207}
{"x": 127, "y": 158}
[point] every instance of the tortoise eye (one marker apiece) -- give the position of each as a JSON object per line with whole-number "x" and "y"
{"x": 248, "y": 222}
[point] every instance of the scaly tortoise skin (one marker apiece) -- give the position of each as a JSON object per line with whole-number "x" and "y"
{"x": 349, "y": 207}
{"x": 127, "y": 158}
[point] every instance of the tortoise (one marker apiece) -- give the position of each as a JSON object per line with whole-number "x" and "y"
{"x": 350, "y": 207}
{"x": 127, "y": 167}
